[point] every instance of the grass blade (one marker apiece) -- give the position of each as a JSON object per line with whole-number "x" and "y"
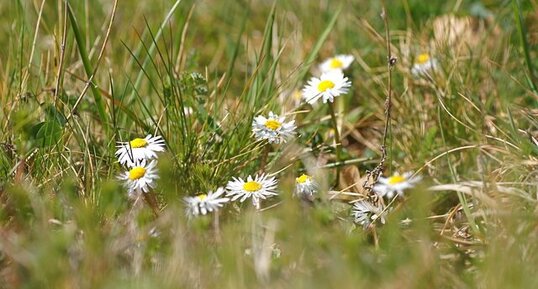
{"x": 531, "y": 78}
{"x": 151, "y": 49}
{"x": 314, "y": 52}
{"x": 87, "y": 66}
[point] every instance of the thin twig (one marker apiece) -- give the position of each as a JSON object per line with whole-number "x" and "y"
{"x": 373, "y": 175}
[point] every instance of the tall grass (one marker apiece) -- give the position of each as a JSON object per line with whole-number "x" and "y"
{"x": 197, "y": 73}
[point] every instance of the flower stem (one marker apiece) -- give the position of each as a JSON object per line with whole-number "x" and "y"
{"x": 216, "y": 226}
{"x": 265, "y": 155}
{"x": 151, "y": 200}
{"x": 338, "y": 146}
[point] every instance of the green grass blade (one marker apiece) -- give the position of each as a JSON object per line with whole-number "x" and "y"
{"x": 88, "y": 67}
{"x": 531, "y": 78}
{"x": 152, "y": 48}
{"x": 314, "y": 52}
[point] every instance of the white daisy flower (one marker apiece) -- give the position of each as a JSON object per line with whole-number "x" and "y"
{"x": 140, "y": 178}
{"x": 272, "y": 128}
{"x": 131, "y": 152}
{"x": 423, "y": 64}
{"x": 339, "y": 62}
{"x": 204, "y": 203}
{"x": 327, "y": 87}
{"x": 366, "y": 213}
{"x": 305, "y": 186}
{"x": 259, "y": 187}
{"x": 395, "y": 184}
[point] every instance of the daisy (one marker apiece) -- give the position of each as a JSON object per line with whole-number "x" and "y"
{"x": 328, "y": 86}
{"x": 140, "y": 178}
{"x": 272, "y": 128}
{"x": 259, "y": 187}
{"x": 305, "y": 186}
{"x": 131, "y": 152}
{"x": 339, "y": 62}
{"x": 204, "y": 203}
{"x": 423, "y": 64}
{"x": 366, "y": 213}
{"x": 395, "y": 184}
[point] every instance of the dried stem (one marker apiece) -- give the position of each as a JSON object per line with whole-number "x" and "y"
{"x": 62, "y": 54}
{"x": 180, "y": 58}
{"x": 34, "y": 41}
{"x": 216, "y": 226}
{"x": 151, "y": 200}
{"x": 266, "y": 151}
{"x": 391, "y": 61}
{"x": 376, "y": 237}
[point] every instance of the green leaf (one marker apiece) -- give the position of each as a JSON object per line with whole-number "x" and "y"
{"x": 54, "y": 114}
{"x": 47, "y": 133}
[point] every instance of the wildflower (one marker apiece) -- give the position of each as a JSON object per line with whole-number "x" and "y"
{"x": 395, "y": 184}
{"x": 305, "y": 186}
{"x": 204, "y": 203}
{"x": 139, "y": 149}
{"x": 259, "y": 187}
{"x": 140, "y": 178}
{"x": 366, "y": 213}
{"x": 328, "y": 86}
{"x": 339, "y": 62}
{"x": 423, "y": 64}
{"x": 273, "y": 128}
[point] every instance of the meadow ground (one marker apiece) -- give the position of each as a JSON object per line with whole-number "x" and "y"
{"x": 445, "y": 90}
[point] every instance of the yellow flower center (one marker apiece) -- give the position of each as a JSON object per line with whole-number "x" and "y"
{"x": 202, "y": 197}
{"x": 302, "y": 179}
{"x": 324, "y": 85}
{"x": 136, "y": 173}
{"x": 252, "y": 186}
{"x": 336, "y": 63}
{"x": 422, "y": 58}
{"x": 138, "y": 143}
{"x": 272, "y": 124}
{"x": 396, "y": 179}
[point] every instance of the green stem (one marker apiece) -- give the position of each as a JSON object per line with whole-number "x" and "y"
{"x": 338, "y": 146}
